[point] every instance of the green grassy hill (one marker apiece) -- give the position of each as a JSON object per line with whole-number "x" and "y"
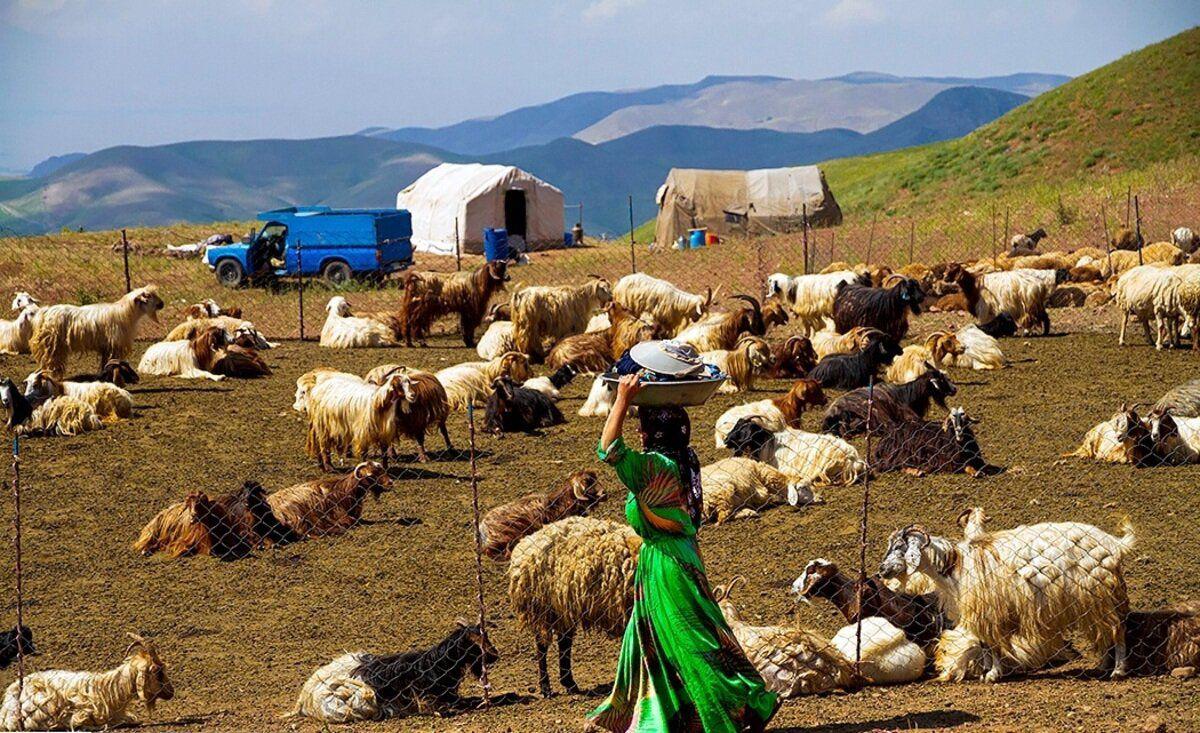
{"x": 1141, "y": 110}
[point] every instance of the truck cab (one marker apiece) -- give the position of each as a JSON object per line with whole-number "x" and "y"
{"x": 335, "y": 244}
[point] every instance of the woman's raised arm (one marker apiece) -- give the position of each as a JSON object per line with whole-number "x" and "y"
{"x": 627, "y": 387}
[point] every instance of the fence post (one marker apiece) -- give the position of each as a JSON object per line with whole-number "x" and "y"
{"x": 457, "y": 248}
{"x": 1107, "y": 241}
{"x": 862, "y": 536}
{"x": 632, "y": 253}
{"x": 125, "y": 255}
{"x": 16, "y": 489}
{"x": 871, "y": 238}
{"x": 300, "y": 289}
{"x": 912, "y": 235}
{"x": 804, "y": 231}
{"x": 483, "y": 678}
{"x": 1137, "y": 228}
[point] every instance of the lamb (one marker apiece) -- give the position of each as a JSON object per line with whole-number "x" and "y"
{"x": 429, "y": 296}
{"x": 1020, "y": 294}
{"x": 883, "y": 653}
{"x": 192, "y": 359}
{"x": 573, "y": 575}
{"x": 773, "y": 414}
{"x": 504, "y": 526}
{"x": 850, "y": 371}
{"x": 594, "y": 352}
{"x": 62, "y": 700}
{"x": 668, "y": 307}
{"x": 22, "y": 637}
{"x": 513, "y": 409}
{"x": 228, "y": 528}
{"x": 1123, "y": 438}
{"x": 470, "y": 382}
{"x": 550, "y": 385}
{"x": 1150, "y": 293}
{"x": 980, "y": 351}
{"x": 15, "y": 334}
{"x": 739, "y": 488}
{"x": 827, "y": 341}
{"x": 811, "y": 297}
{"x": 1020, "y": 591}
{"x": 108, "y": 401}
{"x": 351, "y": 417}
{"x": 722, "y": 330}
{"x": 329, "y": 506}
{"x": 542, "y": 315}
{"x": 360, "y": 686}
{"x": 1181, "y": 401}
{"x": 890, "y": 405}
{"x": 883, "y": 308}
{"x": 429, "y": 407}
{"x": 750, "y": 356}
{"x": 917, "y": 359}
{"x": 105, "y": 328}
{"x": 344, "y": 330}
{"x": 66, "y": 416}
{"x": 922, "y": 448}
{"x": 792, "y": 661}
{"x": 1185, "y": 239}
{"x": 792, "y": 359}
{"x": 811, "y": 458}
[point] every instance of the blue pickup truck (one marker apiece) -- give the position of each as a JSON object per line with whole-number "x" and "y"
{"x": 336, "y": 244}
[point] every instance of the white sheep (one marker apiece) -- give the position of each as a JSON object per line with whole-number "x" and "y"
{"x": 1150, "y": 293}
{"x": 1113, "y": 441}
{"x": 1176, "y": 439}
{"x": 22, "y": 300}
{"x": 471, "y": 382}
{"x": 980, "y": 351}
{"x": 1189, "y": 300}
{"x": 496, "y": 340}
{"x": 1022, "y": 591}
{"x": 669, "y": 307}
{"x": 105, "y": 328}
{"x": 810, "y": 296}
{"x": 572, "y": 575}
{"x": 1185, "y": 239}
{"x": 542, "y": 315}
{"x": 960, "y": 655}
{"x": 738, "y": 488}
{"x": 107, "y": 400}
{"x": 351, "y": 417}
{"x": 15, "y": 334}
{"x": 238, "y": 329}
{"x": 344, "y": 330}
{"x": 887, "y": 656}
{"x": 828, "y": 341}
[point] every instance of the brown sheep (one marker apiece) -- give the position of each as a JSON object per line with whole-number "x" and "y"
{"x": 504, "y": 526}
{"x": 429, "y": 407}
{"x": 429, "y": 296}
{"x": 331, "y": 505}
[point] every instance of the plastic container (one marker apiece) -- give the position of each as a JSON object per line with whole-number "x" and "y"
{"x": 696, "y": 239}
{"x": 711, "y": 238}
{"x": 495, "y": 244}
{"x": 683, "y": 392}
{"x": 568, "y": 239}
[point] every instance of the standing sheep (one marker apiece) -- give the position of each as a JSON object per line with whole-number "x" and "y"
{"x": 504, "y": 526}
{"x": 430, "y": 406}
{"x": 1150, "y": 293}
{"x": 811, "y": 296}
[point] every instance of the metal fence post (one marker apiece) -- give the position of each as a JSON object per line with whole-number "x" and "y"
{"x": 300, "y": 287}
{"x": 632, "y": 253}
{"x": 1137, "y": 228}
{"x": 804, "y": 232}
{"x": 862, "y": 536}
{"x": 125, "y": 255}
{"x": 16, "y": 489}
{"x": 483, "y": 678}
{"x": 457, "y": 248}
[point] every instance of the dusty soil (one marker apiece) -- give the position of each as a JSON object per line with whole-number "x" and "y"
{"x": 241, "y": 637}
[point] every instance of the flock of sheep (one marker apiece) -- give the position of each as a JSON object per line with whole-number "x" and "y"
{"x": 991, "y": 604}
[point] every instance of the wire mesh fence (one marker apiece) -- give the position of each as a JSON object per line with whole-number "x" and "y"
{"x": 555, "y": 562}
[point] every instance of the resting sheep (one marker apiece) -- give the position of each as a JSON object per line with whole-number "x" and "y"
{"x": 105, "y": 328}
{"x": 811, "y": 458}
{"x": 980, "y": 351}
{"x": 329, "y": 506}
{"x": 925, "y": 447}
{"x": 1123, "y": 438}
{"x": 917, "y": 359}
{"x": 738, "y": 488}
{"x": 884, "y": 654}
{"x": 228, "y": 528}
{"x": 514, "y": 409}
{"x": 344, "y": 330}
{"x": 850, "y": 371}
{"x": 107, "y": 400}
{"x": 792, "y": 359}
{"x": 191, "y": 359}
{"x": 15, "y": 334}
{"x": 591, "y": 353}
{"x": 773, "y": 414}
{"x": 66, "y": 416}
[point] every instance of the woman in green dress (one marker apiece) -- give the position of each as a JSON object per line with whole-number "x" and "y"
{"x": 680, "y": 668}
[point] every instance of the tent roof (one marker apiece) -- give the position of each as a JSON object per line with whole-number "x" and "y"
{"x": 467, "y": 180}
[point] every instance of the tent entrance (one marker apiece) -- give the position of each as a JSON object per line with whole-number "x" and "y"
{"x": 514, "y": 213}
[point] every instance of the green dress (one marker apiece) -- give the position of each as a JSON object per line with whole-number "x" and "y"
{"x": 681, "y": 668}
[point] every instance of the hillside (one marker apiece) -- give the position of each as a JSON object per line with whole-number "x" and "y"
{"x": 1137, "y": 111}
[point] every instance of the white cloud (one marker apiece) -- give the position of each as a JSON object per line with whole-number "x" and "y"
{"x": 853, "y": 12}
{"x": 599, "y": 10}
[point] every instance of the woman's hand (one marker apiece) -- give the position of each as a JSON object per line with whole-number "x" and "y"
{"x": 628, "y": 386}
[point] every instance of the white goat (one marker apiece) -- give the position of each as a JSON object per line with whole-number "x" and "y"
{"x": 351, "y": 417}
{"x": 737, "y": 488}
{"x": 980, "y": 351}
{"x": 344, "y": 330}
{"x": 811, "y": 458}
{"x": 810, "y": 296}
{"x": 542, "y": 315}
{"x": 105, "y": 328}
{"x": 670, "y": 307}
{"x": 1185, "y": 239}
{"x": 180, "y": 359}
{"x": 887, "y": 656}
{"x": 599, "y": 400}
{"x": 107, "y": 400}
{"x": 1150, "y": 293}
{"x": 496, "y": 340}
{"x": 15, "y": 334}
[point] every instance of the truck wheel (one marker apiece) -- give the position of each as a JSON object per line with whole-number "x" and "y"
{"x": 230, "y": 273}
{"x": 336, "y": 273}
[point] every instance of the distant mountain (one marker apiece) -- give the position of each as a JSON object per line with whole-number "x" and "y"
{"x": 53, "y": 163}
{"x": 213, "y": 180}
{"x": 1029, "y": 84}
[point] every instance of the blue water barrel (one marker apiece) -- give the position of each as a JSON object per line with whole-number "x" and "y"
{"x": 495, "y": 244}
{"x": 697, "y": 238}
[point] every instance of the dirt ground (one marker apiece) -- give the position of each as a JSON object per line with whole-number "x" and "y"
{"x": 241, "y": 637}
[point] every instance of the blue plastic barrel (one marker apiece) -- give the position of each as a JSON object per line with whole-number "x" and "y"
{"x": 697, "y": 238}
{"x": 495, "y": 244}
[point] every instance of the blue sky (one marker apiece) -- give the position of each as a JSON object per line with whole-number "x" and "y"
{"x": 78, "y": 75}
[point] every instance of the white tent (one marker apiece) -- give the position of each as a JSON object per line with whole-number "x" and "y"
{"x": 474, "y": 196}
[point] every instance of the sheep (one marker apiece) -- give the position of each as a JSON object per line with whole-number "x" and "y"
{"x": 545, "y": 314}
{"x": 925, "y": 447}
{"x": 192, "y": 359}
{"x": 828, "y": 342}
{"x": 114, "y": 371}
{"x": 1123, "y": 438}
{"x": 722, "y": 330}
{"x": 595, "y": 352}
{"x": 551, "y": 384}
{"x": 15, "y": 334}
{"x": 812, "y": 458}
{"x": 429, "y": 406}
{"x": 883, "y": 308}
{"x": 429, "y": 296}
{"x": 504, "y": 526}
{"x": 792, "y": 359}
{"x": 920, "y": 617}
{"x": 738, "y": 488}
{"x": 668, "y": 307}
{"x": 513, "y": 409}
{"x": 66, "y": 416}
{"x": 108, "y": 401}
{"x": 811, "y": 297}
{"x": 470, "y": 382}
{"x": 850, "y": 371}
{"x": 359, "y": 686}
{"x": 599, "y": 400}
{"x": 62, "y": 700}
{"x": 1020, "y": 591}
{"x": 105, "y": 328}
{"x": 792, "y": 661}
{"x": 573, "y": 575}
{"x": 980, "y": 351}
{"x": 329, "y": 506}
{"x": 750, "y": 356}
{"x": 1163, "y": 640}
{"x": 353, "y": 418}
{"x": 1160, "y": 253}
{"x": 1185, "y": 239}
{"x": 773, "y": 414}
{"x": 344, "y": 330}
{"x": 1020, "y": 294}
{"x": 1150, "y": 293}
{"x": 1024, "y": 244}
{"x": 228, "y": 528}
{"x": 1181, "y": 401}
{"x": 884, "y": 654}
{"x": 917, "y": 359}
{"x": 891, "y": 405}
{"x": 496, "y": 340}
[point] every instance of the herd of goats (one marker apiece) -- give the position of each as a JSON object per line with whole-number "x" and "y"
{"x": 990, "y": 604}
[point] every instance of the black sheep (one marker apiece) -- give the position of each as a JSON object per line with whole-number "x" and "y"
{"x": 884, "y": 308}
{"x": 8, "y": 645}
{"x": 850, "y": 371}
{"x": 515, "y": 409}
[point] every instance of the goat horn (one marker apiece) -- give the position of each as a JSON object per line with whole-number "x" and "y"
{"x": 891, "y": 277}
{"x": 733, "y": 583}
{"x": 708, "y": 299}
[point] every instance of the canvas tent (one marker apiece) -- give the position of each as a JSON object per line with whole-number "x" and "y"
{"x": 480, "y": 196}
{"x": 765, "y": 200}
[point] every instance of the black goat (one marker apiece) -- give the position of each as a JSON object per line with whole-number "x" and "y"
{"x": 515, "y": 409}
{"x": 928, "y": 447}
{"x": 424, "y": 678}
{"x": 749, "y": 439}
{"x": 934, "y": 385}
{"x": 19, "y": 408}
{"x": 891, "y": 405}
{"x": 1001, "y": 326}
{"x": 8, "y": 645}
{"x": 114, "y": 371}
{"x": 850, "y": 371}
{"x": 883, "y": 308}
{"x": 237, "y": 523}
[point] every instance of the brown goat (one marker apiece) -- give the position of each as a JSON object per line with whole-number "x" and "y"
{"x": 331, "y": 505}
{"x": 239, "y": 361}
{"x": 792, "y": 359}
{"x": 1164, "y": 640}
{"x": 429, "y": 407}
{"x": 774, "y": 314}
{"x": 228, "y": 527}
{"x": 721, "y": 330}
{"x": 596, "y": 351}
{"x": 504, "y": 526}
{"x": 804, "y": 394}
{"x": 208, "y": 346}
{"x": 429, "y": 296}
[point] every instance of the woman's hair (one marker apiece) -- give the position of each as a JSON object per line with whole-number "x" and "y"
{"x": 667, "y": 430}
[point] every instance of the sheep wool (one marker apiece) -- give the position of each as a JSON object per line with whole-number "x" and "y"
{"x": 738, "y": 488}
{"x": 888, "y": 657}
